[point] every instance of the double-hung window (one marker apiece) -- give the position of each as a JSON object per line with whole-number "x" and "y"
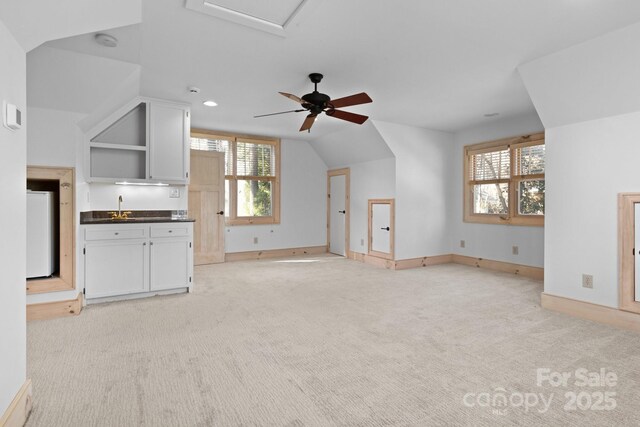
{"x": 504, "y": 181}
{"x": 252, "y": 175}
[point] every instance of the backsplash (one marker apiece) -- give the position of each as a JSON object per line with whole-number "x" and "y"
{"x": 134, "y": 197}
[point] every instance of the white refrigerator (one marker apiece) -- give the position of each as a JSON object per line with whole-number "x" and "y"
{"x": 40, "y": 234}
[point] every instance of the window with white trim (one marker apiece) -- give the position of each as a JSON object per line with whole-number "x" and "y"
{"x": 504, "y": 181}
{"x": 252, "y": 175}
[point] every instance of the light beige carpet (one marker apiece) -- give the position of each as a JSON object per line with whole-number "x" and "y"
{"x": 327, "y": 342}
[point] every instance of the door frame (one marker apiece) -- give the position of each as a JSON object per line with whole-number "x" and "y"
{"x": 66, "y": 279}
{"x": 221, "y": 219}
{"x": 626, "y": 256}
{"x": 347, "y": 204}
{"x": 392, "y": 226}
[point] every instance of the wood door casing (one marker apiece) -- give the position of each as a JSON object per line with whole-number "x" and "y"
{"x": 347, "y": 204}
{"x": 206, "y": 199}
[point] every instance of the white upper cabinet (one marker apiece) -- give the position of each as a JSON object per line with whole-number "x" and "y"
{"x": 168, "y": 138}
{"x": 145, "y": 141}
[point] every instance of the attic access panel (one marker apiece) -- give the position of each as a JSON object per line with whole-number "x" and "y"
{"x": 271, "y": 17}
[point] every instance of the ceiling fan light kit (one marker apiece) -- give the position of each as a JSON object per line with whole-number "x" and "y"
{"x": 316, "y": 103}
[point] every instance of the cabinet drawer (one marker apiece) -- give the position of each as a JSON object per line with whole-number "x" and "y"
{"x": 170, "y": 231}
{"x": 115, "y": 233}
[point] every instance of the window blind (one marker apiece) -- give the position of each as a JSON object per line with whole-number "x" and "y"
{"x": 530, "y": 160}
{"x": 255, "y": 159}
{"x": 490, "y": 166}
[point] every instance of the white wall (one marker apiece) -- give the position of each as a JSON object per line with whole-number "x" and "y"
{"x": 423, "y": 189}
{"x": 54, "y": 139}
{"x": 303, "y": 209}
{"x": 369, "y": 180}
{"x": 13, "y": 160}
{"x": 104, "y": 197}
{"x": 588, "y": 164}
{"x": 493, "y": 241}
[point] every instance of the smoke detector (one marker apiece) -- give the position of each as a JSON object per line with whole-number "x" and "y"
{"x": 194, "y": 90}
{"x": 106, "y": 40}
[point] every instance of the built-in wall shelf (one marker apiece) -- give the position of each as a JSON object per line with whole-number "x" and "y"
{"x": 147, "y": 140}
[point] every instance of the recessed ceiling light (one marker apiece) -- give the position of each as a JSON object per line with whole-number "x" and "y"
{"x": 492, "y": 114}
{"x": 106, "y": 40}
{"x": 210, "y": 103}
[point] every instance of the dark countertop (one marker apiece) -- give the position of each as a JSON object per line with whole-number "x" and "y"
{"x": 135, "y": 217}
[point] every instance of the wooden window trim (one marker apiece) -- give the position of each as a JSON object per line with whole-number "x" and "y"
{"x": 233, "y": 218}
{"x": 513, "y": 217}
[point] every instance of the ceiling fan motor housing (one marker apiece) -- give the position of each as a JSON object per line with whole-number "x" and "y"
{"x": 316, "y": 100}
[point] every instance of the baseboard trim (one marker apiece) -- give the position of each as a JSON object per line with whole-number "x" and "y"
{"x": 274, "y": 253}
{"x": 402, "y": 264}
{"x": 536, "y": 273}
{"x": 20, "y": 407}
{"x": 593, "y": 312}
{"x": 52, "y": 310}
{"x": 426, "y": 261}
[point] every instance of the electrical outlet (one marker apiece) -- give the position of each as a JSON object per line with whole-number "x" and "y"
{"x": 174, "y": 193}
{"x": 587, "y": 281}
{"x": 514, "y": 250}
{"x": 255, "y": 240}
{"x": 463, "y": 243}
{"x": 361, "y": 242}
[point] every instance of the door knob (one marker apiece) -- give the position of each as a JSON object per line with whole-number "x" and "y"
{"x": 220, "y": 213}
{"x": 342, "y": 211}
{"x": 384, "y": 228}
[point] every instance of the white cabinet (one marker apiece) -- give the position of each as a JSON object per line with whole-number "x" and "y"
{"x": 169, "y": 142}
{"x": 125, "y": 259}
{"x": 171, "y": 256}
{"x": 115, "y": 268}
{"x": 147, "y": 140}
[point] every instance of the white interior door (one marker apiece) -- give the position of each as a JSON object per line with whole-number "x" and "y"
{"x": 337, "y": 214}
{"x": 381, "y": 228}
{"x": 637, "y": 246}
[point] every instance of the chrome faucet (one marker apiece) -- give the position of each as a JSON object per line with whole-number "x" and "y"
{"x": 120, "y": 214}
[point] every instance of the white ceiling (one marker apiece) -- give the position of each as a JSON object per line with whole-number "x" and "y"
{"x": 434, "y": 64}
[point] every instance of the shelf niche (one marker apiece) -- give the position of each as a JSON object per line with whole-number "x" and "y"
{"x": 121, "y": 149}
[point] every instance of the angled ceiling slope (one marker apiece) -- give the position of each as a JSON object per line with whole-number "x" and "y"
{"x": 357, "y": 144}
{"x": 588, "y": 81}
{"x": 35, "y": 22}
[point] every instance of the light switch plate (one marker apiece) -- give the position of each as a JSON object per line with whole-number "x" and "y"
{"x": 174, "y": 193}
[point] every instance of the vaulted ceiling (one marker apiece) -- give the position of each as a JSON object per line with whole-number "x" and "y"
{"x": 436, "y": 64}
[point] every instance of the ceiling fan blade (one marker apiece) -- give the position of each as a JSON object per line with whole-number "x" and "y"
{"x": 281, "y": 112}
{"x": 308, "y": 122}
{"x": 357, "y": 99}
{"x": 350, "y": 117}
{"x": 292, "y": 97}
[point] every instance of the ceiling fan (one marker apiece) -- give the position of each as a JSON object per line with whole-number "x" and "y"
{"x": 316, "y": 103}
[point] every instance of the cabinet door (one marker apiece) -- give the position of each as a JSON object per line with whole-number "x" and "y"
{"x": 116, "y": 268}
{"x": 170, "y": 260}
{"x": 168, "y": 138}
